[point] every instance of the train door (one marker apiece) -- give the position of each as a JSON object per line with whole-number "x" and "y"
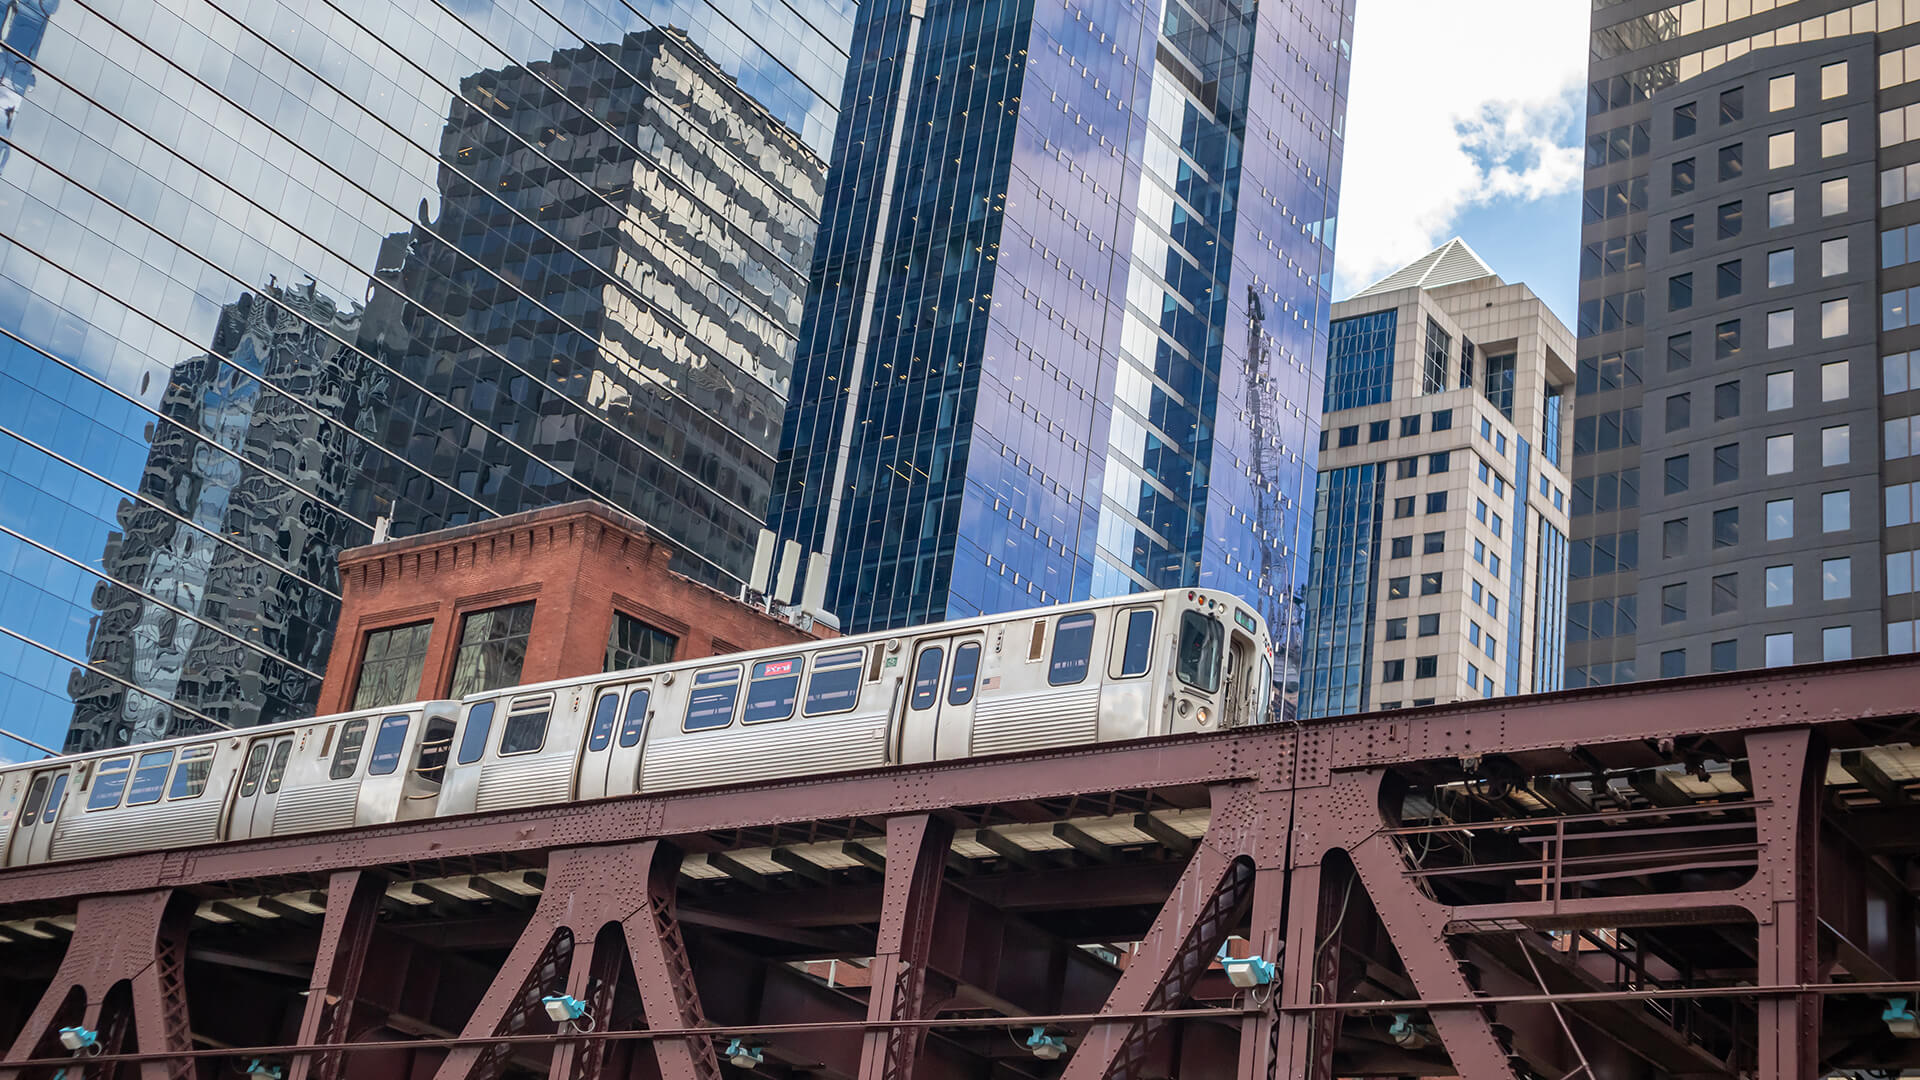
{"x": 610, "y": 763}
{"x": 261, "y": 775}
{"x": 33, "y": 834}
{"x": 942, "y": 684}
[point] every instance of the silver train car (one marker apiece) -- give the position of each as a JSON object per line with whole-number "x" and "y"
{"x": 1151, "y": 664}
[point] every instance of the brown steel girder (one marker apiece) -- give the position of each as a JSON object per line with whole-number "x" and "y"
{"x": 1283, "y": 799}
{"x": 136, "y": 940}
{"x": 563, "y": 949}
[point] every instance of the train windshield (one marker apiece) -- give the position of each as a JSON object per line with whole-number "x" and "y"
{"x": 1199, "y": 661}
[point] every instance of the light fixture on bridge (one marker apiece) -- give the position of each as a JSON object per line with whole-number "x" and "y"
{"x": 1245, "y": 972}
{"x": 1044, "y": 1046}
{"x": 1900, "y": 1019}
{"x": 80, "y": 1040}
{"x": 262, "y": 1070}
{"x": 742, "y": 1056}
{"x": 566, "y": 1009}
{"x": 1408, "y": 1035}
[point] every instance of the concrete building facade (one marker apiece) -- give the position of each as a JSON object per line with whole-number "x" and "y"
{"x": 1440, "y": 527}
{"x": 1743, "y": 466}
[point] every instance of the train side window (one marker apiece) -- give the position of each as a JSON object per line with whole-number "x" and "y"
{"x": 388, "y": 744}
{"x": 966, "y": 668}
{"x": 346, "y": 756}
{"x": 109, "y": 783}
{"x": 926, "y": 676}
{"x": 1037, "y": 644}
{"x": 277, "y": 768}
{"x": 605, "y": 712}
{"x": 150, "y": 779}
{"x": 834, "y": 686}
{"x": 1137, "y": 653}
{"x": 710, "y": 705}
{"x": 36, "y": 794}
{"x": 256, "y": 764}
{"x": 436, "y": 743}
{"x": 53, "y": 799}
{"x": 635, "y": 723}
{"x": 1072, "y": 648}
{"x": 1198, "y": 664}
{"x": 191, "y": 775}
{"x": 526, "y": 727}
{"x": 473, "y": 742}
{"x": 773, "y": 689}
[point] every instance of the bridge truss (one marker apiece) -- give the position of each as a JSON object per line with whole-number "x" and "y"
{"x": 1711, "y": 877}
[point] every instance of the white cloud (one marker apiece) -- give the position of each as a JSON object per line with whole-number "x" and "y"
{"x": 1452, "y": 104}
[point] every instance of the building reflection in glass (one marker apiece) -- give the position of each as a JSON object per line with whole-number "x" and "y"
{"x": 597, "y": 296}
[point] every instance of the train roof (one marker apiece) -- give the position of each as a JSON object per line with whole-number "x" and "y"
{"x": 954, "y": 626}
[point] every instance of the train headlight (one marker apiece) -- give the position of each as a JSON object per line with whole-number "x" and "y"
{"x": 1184, "y": 707}
{"x": 1205, "y": 715}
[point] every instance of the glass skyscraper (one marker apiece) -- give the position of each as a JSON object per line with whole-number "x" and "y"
{"x": 271, "y": 272}
{"x": 1070, "y": 299}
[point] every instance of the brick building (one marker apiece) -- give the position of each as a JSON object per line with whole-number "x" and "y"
{"x": 547, "y": 594}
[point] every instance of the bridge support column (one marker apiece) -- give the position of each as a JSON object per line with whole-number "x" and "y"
{"x": 1208, "y": 902}
{"x": 1788, "y": 769}
{"x": 139, "y": 940}
{"x": 563, "y": 949}
{"x": 353, "y": 907}
{"x": 917, "y": 847}
{"x": 1346, "y": 814}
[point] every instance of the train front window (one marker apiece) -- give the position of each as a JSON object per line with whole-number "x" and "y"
{"x": 773, "y": 690}
{"x": 834, "y": 686}
{"x": 35, "y": 796}
{"x": 1198, "y": 664}
{"x": 277, "y": 768}
{"x": 1137, "y": 654}
{"x": 346, "y": 756}
{"x": 605, "y": 712}
{"x": 636, "y": 722}
{"x": 387, "y": 745}
{"x": 526, "y": 727}
{"x": 109, "y": 783}
{"x": 1072, "y": 648}
{"x": 150, "y": 779}
{"x": 191, "y": 775}
{"x": 473, "y": 741}
{"x": 966, "y": 668}
{"x": 926, "y": 677}
{"x": 53, "y": 799}
{"x": 710, "y": 705}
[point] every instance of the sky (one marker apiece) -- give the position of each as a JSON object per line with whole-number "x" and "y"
{"x": 1465, "y": 118}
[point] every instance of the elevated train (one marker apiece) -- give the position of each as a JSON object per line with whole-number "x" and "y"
{"x": 1097, "y": 671}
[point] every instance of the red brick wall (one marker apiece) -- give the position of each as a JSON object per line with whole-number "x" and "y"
{"x": 578, "y": 563}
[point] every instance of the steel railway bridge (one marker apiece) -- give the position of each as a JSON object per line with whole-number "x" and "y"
{"x": 1709, "y": 877}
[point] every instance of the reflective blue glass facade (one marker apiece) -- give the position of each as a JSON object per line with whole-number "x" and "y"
{"x": 1070, "y": 301}
{"x": 1360, "y": 360}
{"x": 272, "y": 271}
{"x": 1347, "y": 524}
{"x": 1550, "y": 617}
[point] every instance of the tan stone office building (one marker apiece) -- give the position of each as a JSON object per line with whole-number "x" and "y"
{"x": 1439, "y": 562}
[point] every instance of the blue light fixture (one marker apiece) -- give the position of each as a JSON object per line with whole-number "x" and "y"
{"x": 1044, "y": 1046}
{"x": 564, "y": 1008}
{"x": 1900, "y": 1019}
{"x": 79, "y": 1039}
{"x": 742, "y": 1056}
{"x": 1245, "y": 972}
